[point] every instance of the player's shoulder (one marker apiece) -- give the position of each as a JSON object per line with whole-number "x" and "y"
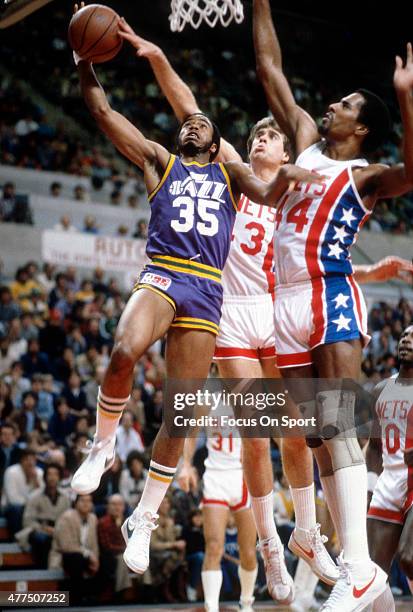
{"x": 381, "y": 386}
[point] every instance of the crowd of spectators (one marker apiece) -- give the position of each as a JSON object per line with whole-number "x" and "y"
{"x": 56, "y": 333}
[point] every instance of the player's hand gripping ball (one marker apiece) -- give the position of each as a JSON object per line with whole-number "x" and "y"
{"x": 94, "y": 33}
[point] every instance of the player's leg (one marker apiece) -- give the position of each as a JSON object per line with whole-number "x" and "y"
{"x": 405, "y": 549}
{"x": 306, "y": 541}
{"x": 247, "y": 571}
{"x": 146, "y": 317}
{"x": 269, "y": 368}
{"x": 383, "y": 538}
{"x": 215, "y": 522}
{"x": 258, "y": 474}
{"x": 181, "y": 347}
{"x": 337, "y": 361}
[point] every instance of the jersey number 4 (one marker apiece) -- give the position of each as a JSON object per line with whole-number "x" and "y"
{"x": 297, "y": 215}
{"x": 208, "y": 226}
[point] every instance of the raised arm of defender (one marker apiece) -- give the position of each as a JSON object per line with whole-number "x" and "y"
{"x": 294, "y": 121}
{"x": 176, "y": 91}
{"x": 383, "y": 181}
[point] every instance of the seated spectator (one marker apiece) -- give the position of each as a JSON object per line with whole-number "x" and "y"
{"x": 42, "y": 510}
{"x": 46, "y": 277}
{"x": 55, "y": 189}
{"x": 88, "y": 362}
{"x": 45, "y": 399}
{"x": 133, "y": 201}
{"x": 29, "y": 328}
{"x": 168, "y": 556}
{"x": 195, "y": 552}
{"x": 26, "y": 419}
{"x": 99, "y": 285}
{"x": 93, "y": 334}
{"x": 26, "y": 126}
{"x": 9, "y": 309}
{"x": 75, "y": 395}
{"x": 9, "y": 449}
{"x": 59, "y": 291}
{"x": 76, "y": 341}
{"x": 116, "y": 197}
{"x": 35, "y": 361}
{"x": 85, "y": 293}
{"x": 65, "y": 225}
{"x": 122, "y": 230}
{"x": 20, "y": 480}
{"x": 62, "y": 423}
{"x": 17, "y": 382}
{"x": 141, "y": 230}
{"x": 89, "y": 225}
{"x": 80, "y": 194}
{"x": 6, "y": 354}
{"x": 6, "y": 404}
{"x": 64, "y": 366}
{"x": 75, "y": 548}
{"x": 22, "y": 286}
{"x": 7, "y": 202}
{"x": 18, "y": 345}
{"x": 132, "y": 480}
{"x": 127, "y": 437}
{"x": 111, "y": 545}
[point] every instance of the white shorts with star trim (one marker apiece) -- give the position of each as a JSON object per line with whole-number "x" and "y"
{"x": 246, "y": 328}
{"x": 321, "y": 311}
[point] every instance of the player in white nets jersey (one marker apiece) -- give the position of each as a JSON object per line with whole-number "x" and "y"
{"x": 323, "y": 331}
{"x": 224, "y": 491}
{"x": 389, "y": 461}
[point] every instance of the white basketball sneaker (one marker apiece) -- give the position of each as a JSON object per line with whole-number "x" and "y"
{"x": 280, "y": 585}
{"x": 308, "y": 544}
{"x": 137, "y": 531}
{"x": 100, "y": 458}
{"x": 352, "y": 592}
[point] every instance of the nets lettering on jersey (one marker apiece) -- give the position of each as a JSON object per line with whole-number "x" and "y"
{"x": 195, "y": 12}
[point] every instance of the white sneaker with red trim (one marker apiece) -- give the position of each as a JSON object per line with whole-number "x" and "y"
{"x": 308, "y": 544}
{"x": 280, "y": 585}
{"x": 353, "y": 593}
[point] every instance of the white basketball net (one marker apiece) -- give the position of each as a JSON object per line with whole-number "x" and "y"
{"x": 196, "y": 12}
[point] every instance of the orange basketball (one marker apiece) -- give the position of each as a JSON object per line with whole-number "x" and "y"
{"x": 93, "y": 33}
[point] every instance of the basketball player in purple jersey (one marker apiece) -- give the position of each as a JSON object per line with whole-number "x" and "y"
{"x": 194, "y": 203}
{"x": 326, "y": 333}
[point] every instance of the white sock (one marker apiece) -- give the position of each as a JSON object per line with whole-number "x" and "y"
{"x": 305, "y": 580}
{"x": 247, "y": 580}
{"x": 211, "y": 583}
{"x": 262, "y": 509}
{"x": 351, "y": 487}
{"x": 330, "y": 493}
{"x": 304, "y": 506}
{"x": 109, "y": 412}
{"x": 156, "y": 486}
{"x": 385, "y": 602}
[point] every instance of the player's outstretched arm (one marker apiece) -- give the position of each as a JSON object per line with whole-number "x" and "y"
{"x": 384, "y": 270}
{"x": 176, "y": 91}
{"x": 148, "y": 155}
{"x": 268, "y": 194}
{"x": 293, "y": 120}
{"x": 397, "y": 180}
